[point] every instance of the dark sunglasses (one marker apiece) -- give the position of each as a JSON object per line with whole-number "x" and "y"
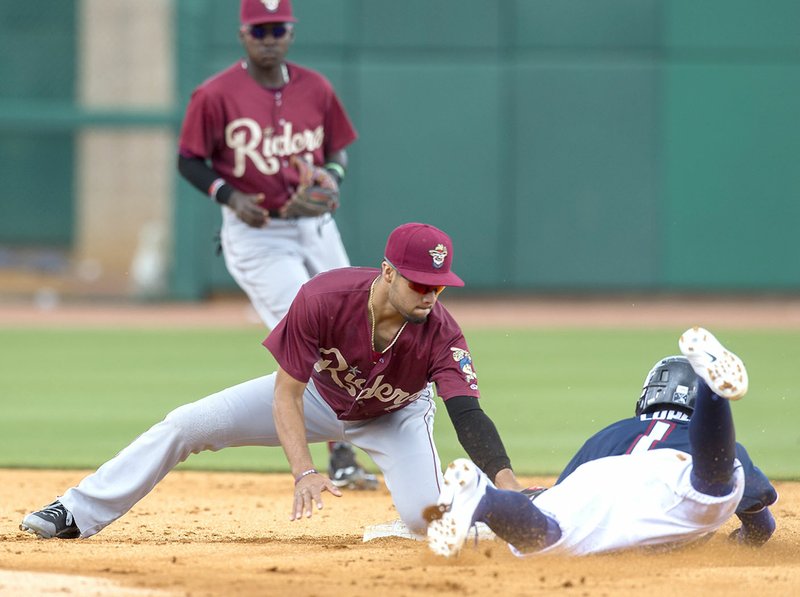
{"x": 261, "y": 31}
{"x": 420, "y": 288}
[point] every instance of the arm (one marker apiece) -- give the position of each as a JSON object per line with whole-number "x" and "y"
{"x": 756, "y": 529}
{"x": 478, "y": 435}
{"x": 287, "y": 409}
{"x": 205, "y": 179}
{"x": 336, "y": 164}
{"x": 758, "y": 524}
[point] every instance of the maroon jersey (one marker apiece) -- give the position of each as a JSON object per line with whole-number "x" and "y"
{"x": 327, "y": 336}
{"x": 249, "y": 132}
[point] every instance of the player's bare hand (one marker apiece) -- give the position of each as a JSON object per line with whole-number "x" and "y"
{"x": 248, "y": 209}
{"x": 505, "y": 479}
{"x": 308, "y": 492}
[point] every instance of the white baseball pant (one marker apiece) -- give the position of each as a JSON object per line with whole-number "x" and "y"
{"x": 634, "y": 500}
{"x": 400, "y": 443}
{"x": 271, "y": 263}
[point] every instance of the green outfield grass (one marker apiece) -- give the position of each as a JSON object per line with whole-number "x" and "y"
{"x": 73, "y": 398}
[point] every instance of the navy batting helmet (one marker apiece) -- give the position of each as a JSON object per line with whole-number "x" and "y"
{"x": 672, "y": 382}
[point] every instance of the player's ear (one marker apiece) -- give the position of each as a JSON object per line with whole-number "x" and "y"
{"x": 387, "y": 272}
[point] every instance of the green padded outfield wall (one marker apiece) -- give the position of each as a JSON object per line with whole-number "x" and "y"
{"x": 731, "y": 148}
{"x": 578, "y": 145}
{"x": 571, "y": 145}
{"x": 37, "y": 43}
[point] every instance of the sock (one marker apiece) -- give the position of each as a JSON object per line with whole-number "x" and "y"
{"x": 514, "y": 518}
{"x": 713, "y": 440}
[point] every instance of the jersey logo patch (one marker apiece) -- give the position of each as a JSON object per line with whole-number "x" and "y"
{"x": 264, "y": 147}
{"x": 464, "y": 360}
{"x": 439, "y": 254}
{"x": 348, "y": 378}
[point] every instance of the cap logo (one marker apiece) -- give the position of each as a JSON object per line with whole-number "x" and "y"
{"x": 271, "y": 5}
{"x": 439, "y": 254}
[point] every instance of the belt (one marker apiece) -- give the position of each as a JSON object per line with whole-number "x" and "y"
{"x": 276, "y": 214}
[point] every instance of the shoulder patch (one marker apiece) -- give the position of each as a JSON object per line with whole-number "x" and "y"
{"x": 464, "y": 360}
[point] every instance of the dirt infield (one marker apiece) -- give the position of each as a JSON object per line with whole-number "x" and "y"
{"x": 215, "y": 534}
{"x": 228, "y": 534}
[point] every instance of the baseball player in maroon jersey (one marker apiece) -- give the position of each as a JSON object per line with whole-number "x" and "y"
{"x": 358, "y": 353}
{"x": 254, "y": 138}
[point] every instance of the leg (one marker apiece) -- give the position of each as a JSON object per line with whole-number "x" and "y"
{"x": 517, "y": 521}
{"x": 323, "y": 249}
{"x": 402, "y": 446}
{"x": 723, "y": 377}
{"x": 235, "y": 416}
{"x": 268, "y": 264}
{"x": 345, "y": 471}
{"x": 238, "y": 416}
{"x": 468, "y": 497}
{"x": 713, "y": 440}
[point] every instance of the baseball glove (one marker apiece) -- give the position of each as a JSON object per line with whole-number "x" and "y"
{"x": 316, "y": 194}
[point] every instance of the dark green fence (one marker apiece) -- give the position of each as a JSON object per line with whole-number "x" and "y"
{"x": 37, "y": 42}
{"x": 578, "y": 145}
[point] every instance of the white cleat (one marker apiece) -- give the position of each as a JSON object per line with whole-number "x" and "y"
{"x": 453, "y": 517}
{"x": 722, "y": 370}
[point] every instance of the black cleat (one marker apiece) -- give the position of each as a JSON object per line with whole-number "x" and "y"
{"x": 51, "y": 521}
{"x": 345, "y": 472}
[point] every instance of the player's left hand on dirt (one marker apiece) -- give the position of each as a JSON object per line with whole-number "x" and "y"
{"x": 317, "y": 192}
{"x": 308, "y": 494}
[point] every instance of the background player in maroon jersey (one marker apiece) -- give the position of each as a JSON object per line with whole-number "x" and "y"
{"x": 358, "y": 353}
{"x": 243, "y": 131}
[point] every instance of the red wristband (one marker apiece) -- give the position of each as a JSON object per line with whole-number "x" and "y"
{"x": 215, "y": 187}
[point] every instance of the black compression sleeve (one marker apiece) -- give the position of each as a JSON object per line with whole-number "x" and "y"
{"x": 477, "y": 434}
{"x": 200, "y": 175}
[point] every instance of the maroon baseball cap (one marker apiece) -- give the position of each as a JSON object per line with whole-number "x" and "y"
{"x": 253, "y": 12}
{"x": 423, "y": 254}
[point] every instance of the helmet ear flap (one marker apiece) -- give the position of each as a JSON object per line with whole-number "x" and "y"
{"x": 671, "y": 382}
